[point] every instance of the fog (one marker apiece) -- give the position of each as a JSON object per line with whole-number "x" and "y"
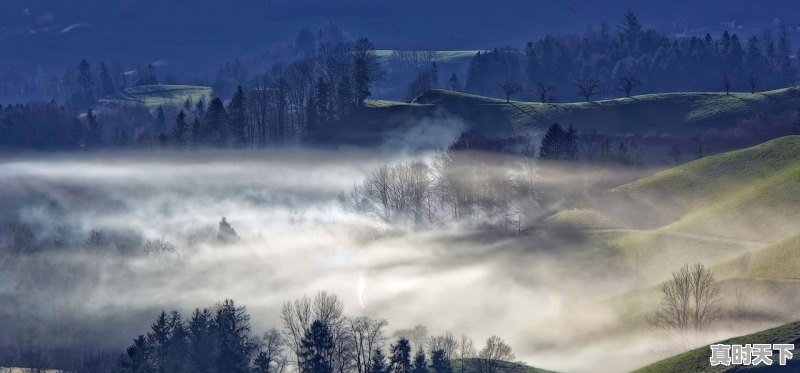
{"x": 545, "y": 294}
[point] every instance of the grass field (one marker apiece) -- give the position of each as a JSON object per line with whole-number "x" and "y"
{"x": 153, "y": 96}
{"x": 697, "y": 360}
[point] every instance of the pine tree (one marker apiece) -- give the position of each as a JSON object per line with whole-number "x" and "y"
{"x": 106, "y": 82}
{"x": 322, "y": 96}
{"x": 160, "y": 124}
{"x": 225, "y": 232}
{"x": 551, "y": 142}
{"x": 378, "y": 363}
{"x": 197, "y": 134}
{"x": 137, "y": 357}
{"x": 202, "y": 349}
{"x": 180, "y": 133}
{"x": 178, "y": 345}
{"x": 421, "y": 362}
{"x": 94, "y": 134}
{"x": 215, "y": 123}
{"x": 84, "y": 90}
{"x": 454, "y": 84}
{"x": 401, "y": 356}
{"x": 158, "y": 339}
{"x": 237, "y": 119}
{"x": 440, "y": 363}
{"x": 233, "y": 338}
{"x": 315, "y": 349}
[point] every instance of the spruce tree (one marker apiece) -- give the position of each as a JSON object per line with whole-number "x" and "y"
{"x": 378, "y": 363}
{"x": 315, "y": 349}
{"x": 94, "y": 133}
{"x": 180, "y": 133}
{"x": 233, "y": 338}
{"x": 420, "y": 362}
{"x": 401, "y": 356}
{"x": 215, "y": 123}
{"x": 106, "y": 82}
{"x": 440, "y": 363}
{"x": 160, "y": 124}
{"x": 551, "y": 143}
{"x": 225, "y": 232}
{"x": 237, "y": 119}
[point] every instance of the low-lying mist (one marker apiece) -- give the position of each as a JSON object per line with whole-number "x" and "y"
{"x": 61, "y": 288}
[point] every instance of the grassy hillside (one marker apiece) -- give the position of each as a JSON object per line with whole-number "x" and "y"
{"x": 158, "y": 95}
{"x": 780, "y": 260}
{"x": 670, "y": 113}
{"x": 697, "y": 360}
{"x": 716, "y": 208}
{"x": 471, "y": 366}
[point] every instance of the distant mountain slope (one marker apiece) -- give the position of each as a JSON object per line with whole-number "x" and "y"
{"x": 697, "y": 360}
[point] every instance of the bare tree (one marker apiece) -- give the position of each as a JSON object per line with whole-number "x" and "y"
{"x": 446, "y": 342}
{"x": 465, "y": 351}
{"x": 494, "y": 354}
{"x": 509, "y": 89}
{"x": 675, "y": 155}
{"x": 752, "y": 79}
{"x": 727, "y": 83}
{"x": 626, "y": 83}
{"x": 366, "y": 335}
{"x": 159, "y": 247}
{"x": 689, "y": 300}
{"x": 545, "y": 92}
{"x": 588, "y": 87}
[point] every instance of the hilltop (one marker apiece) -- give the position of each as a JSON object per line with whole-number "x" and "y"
{"x": 678, "y": 115}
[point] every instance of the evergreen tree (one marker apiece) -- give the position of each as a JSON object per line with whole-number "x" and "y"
{"x": 378, "y": 363}
{"x": 137, "y": 357}
{"x": 106, "y": 82}
{"x": 454, "y": 84}
{"x": 401, "y": 356}
{"x": 178, "y": 345}
{"x": 421, "y": 362}
{"x": 83, "y": 95}
{"x": 160, "y": 124}
{"x": 200, "y": 109}
{"x": 366, "y": 69}
{"x": 558, "y": 144}
{"x": 237, "y": 119}
{"x": 315, "y": 349}
{"x": 202, "y": 348}
{"x": 196, "y": 134}
{"x": 215, "y": 123}
{"x": 233, "y": 338}
{"x": 180, "y": 133}
{"x": 440, "y": 363}
{"x": 551, "y": 142}
{"x": 225, "y": 232}
{"x": 158, "y": 340}
{"x": 323, "y": 100}
{"x": 94, "y": 133}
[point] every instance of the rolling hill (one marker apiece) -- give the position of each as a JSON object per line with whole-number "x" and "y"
{"x": 716, "y": 208}
{"x": 655, "y": 114}
{"x": 678, "y": 115}
{"x": 697, "y": 360}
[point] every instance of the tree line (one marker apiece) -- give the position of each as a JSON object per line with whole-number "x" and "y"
{"x": 316, "y": 337}
{"x": 278, "y": 106}
{"x": 632, "y": 57}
